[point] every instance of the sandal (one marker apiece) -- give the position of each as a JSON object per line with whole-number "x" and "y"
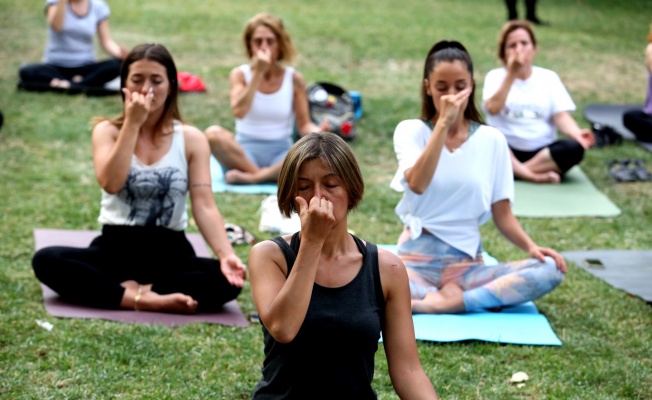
{"x": 239, "y": 235}
{"x": 620, "y": 170}
{"x": 642, "y": 174}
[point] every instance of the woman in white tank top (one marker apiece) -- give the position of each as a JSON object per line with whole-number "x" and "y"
{"x": 148, "y": 163}
{"x": 266, "y": 99}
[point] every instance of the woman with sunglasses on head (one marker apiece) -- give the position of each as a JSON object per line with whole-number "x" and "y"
{"x": 147, "y": 162}
{"x": 455, "y": 173}
{"x": 528, "y": 104}
{"x": 267, "y": 98}
{"x": 323, "y": 295}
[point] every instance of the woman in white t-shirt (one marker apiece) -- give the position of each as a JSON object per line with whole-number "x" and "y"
{"x": 455, "y": 173}
{"x": 528, "y": 104}
{"x": 266, "y": 99}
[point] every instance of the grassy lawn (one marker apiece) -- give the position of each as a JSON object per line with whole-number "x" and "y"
{"x": 376, "y": 47}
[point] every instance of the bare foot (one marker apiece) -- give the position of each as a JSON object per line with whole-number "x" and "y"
{"x": 445, "y": 301}
{"x": 548, "y": 177}
{"x": 236, "y": 176}
{"x": 60, "y": 83}
{"x": 130, "y": 284}
{"x": 174, "y": 303}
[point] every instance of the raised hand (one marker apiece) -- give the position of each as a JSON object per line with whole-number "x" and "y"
{"x": 515, "y": 60}
{"x": 317, "y": 218}
{"x": 262, "y": 60}
{"x": 137, "y": 105}
{"x": 451, "y": 104}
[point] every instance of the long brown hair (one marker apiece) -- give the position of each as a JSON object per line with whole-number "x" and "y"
{"x": 158, "y": 53}
{"x": 447, "y": 51}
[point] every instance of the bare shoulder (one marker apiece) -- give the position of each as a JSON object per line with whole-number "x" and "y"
{"x": 193, "y": 135}
{"x": 236, "y": 73}
{"x": 105, "y": 129}
{"x": 190, "y": 130}
{"x": 267, "y": 251}
{"x": 298, "y": 80}
{"x": 389, "y": 262}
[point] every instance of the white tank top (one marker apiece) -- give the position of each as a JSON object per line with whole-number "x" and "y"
{"x": 153, "y": 195}
{"x": 271, "y": 116}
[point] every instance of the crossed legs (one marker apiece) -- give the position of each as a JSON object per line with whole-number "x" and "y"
{"x": 232, "y": 156}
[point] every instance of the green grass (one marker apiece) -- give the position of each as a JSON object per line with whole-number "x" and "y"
{"x": 376, "y": 47}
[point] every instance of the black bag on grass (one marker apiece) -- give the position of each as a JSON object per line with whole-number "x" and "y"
{"x": 332, "y": 102}
{"x": 605, "y": 135}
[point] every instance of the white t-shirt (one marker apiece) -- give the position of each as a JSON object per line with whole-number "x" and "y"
{"x": 526, "y": 119}
{"x": 465, "y": 185}
{"x": 271, "y": 115}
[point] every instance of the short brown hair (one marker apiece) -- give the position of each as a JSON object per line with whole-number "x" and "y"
{"x": 286, "y": 50}
{"x": 334, "y": 152}
{"x": 510, "y": 27}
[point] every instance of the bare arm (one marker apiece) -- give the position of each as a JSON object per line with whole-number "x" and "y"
{"x": 301, "y": 111}
{"x": 242, "y": 94}
{"x": 515, "y": 62}
{"x": 56, "y": 14}
{"x": 112, "y": 150}
{"x": 208, "y": 217}
{"x": 648, "y": 57}
{"x": 106, "y": 41}
{"x": 282, "y": 303}
{"x": 509, "y": 226}
{"x": 405, "y": 370}
{"x": 420, "y": 175}
{"x": 496, "y": 102}
{"x": 567, "y": 125}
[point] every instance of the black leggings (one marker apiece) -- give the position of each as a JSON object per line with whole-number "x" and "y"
{"x": 148, "y": 255}
{"x": 639, "y": 123}
{"x": 566, "y": 153}
{"x": 38, "y": 76}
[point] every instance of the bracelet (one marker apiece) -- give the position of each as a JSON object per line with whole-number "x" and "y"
{"x": 137, "y": 298}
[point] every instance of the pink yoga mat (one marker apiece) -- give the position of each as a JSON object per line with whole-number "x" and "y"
{"x": 230, "y": 314}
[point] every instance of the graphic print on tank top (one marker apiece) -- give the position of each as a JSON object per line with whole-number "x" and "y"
{"x": 152, "y": 195}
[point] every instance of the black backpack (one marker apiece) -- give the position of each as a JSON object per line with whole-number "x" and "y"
{"x": 332, "y": 102}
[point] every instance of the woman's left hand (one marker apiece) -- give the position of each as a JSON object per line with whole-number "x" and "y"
{"x": 540, "y": 252}
{"x": 233, "y": 269}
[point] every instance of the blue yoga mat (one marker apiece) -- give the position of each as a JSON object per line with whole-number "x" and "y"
{"x": 519, "y": 324}
{"x": 219, "y": 185}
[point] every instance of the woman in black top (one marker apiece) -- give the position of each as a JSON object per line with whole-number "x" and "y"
{"x": 323, "y": 295}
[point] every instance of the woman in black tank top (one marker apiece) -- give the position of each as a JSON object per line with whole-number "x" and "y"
{"x": 323, "y": 295}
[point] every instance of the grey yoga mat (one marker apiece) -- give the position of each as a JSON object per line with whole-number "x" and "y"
{"x": 629, "y": 270}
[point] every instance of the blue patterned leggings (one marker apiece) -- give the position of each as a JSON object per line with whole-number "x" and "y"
{"x": 433, "y": 263}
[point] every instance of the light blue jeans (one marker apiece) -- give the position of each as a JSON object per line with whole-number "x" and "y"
{"x": 433, "y": 263}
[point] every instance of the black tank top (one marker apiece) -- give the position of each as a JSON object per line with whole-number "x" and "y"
{"x": 332, "y": 355}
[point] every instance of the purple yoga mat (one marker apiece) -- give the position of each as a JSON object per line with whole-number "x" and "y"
{"x": 230, "y": 314}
